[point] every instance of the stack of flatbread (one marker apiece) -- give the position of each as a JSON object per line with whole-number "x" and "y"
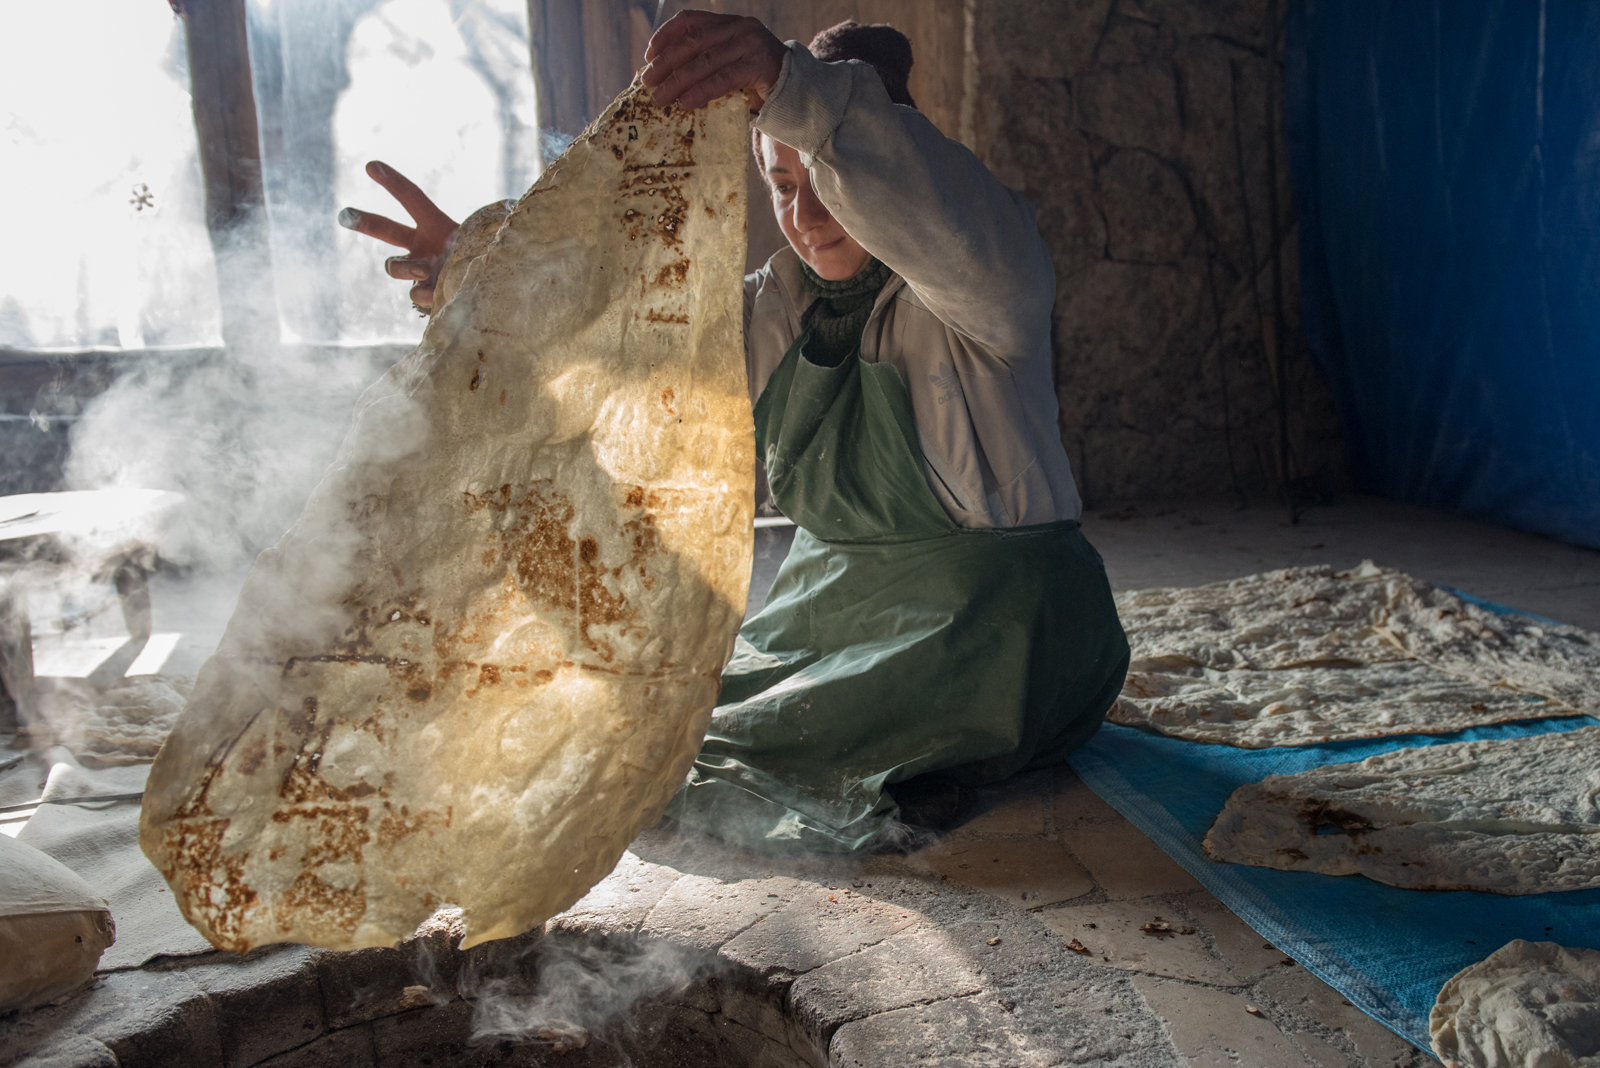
{"x": 485, "y": 655}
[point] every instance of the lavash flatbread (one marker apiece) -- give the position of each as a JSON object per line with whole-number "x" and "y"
{"x": 1293, "y": 617}
{"x": 1507, "y": 816}
{"x": 1534, "y": 656}
{"x": 122, "y": 723}
{"x": 1314, "y": 705}
{"x": 1310, "y": 655}
{"x": 485, "y": 655}
{"x": 1526, "y": 1005}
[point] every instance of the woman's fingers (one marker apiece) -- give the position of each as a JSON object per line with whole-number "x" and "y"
{"x": 712, "y": 82}
{"x": 689, "y": 46}
{"x": 684, "y": 26}
{"x": 384, "y": 229}
{"x": 698, "y": 56}
{"x": 409, "y": 268}
{"x": 413, "y": 199}
{"x": 425, "y": 243}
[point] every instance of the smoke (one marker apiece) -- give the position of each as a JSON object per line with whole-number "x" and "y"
{"x": 552, "y": 143}
{"x": 243, "y": 436}
{"x": 243, "y": 433}
{"x": 199, "y": 463}
{"x": 581, "y": 992}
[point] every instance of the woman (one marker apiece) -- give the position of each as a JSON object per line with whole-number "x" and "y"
{"x": 940, "y": 615}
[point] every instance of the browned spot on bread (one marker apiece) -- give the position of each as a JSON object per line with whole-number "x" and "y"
{"x": 674, "y": 275}
{"x": 253, "y": 754}
{"x": 396, "y": 826}
{"x": 217, "y": 895}
{"x": 532, "y": 534}
{"x": 336, "y": 832}
{"x": 1323, "y": 818}
{"x": 337, "y": 906}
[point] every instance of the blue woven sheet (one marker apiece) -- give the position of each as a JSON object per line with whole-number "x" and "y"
{"x": 1387, "y": 950}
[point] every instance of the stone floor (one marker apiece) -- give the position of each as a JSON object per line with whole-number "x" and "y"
{"x": 1042, "y": 930}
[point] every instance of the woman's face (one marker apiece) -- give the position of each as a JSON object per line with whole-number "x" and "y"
{"x": 815, "y": 234}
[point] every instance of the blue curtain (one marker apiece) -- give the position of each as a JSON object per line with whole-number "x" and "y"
{"x": 1446, "y": 157}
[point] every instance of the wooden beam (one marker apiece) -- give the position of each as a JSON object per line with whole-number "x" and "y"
{"x": 230, "y": 164}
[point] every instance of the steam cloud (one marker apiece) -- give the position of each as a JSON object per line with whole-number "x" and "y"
{"x": 582, "y": 990}
{"x": 244, "y": 436}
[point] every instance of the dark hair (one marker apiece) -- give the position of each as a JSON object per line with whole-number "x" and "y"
{"x": 884, "y": 47}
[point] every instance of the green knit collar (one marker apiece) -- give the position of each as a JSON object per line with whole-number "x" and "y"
{"x": 840, "y": 312}
{"x": 869, "y": 279}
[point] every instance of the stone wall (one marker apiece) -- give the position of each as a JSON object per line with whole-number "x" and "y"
{"x": 1148, "y": 134}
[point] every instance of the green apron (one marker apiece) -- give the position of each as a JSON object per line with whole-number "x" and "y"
{"x": 893, "y": 643}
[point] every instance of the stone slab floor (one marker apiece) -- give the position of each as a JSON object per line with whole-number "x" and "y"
{"x": 1016, "y": 939}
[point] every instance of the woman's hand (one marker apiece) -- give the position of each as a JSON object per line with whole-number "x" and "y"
{"x": 698, "y": 56}
{"x": 425, "y": 243}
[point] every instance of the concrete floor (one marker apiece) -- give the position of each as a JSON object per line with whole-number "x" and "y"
{"x": 1018, "y": 938}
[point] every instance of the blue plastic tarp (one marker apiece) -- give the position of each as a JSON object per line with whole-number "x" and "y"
{"x": 1446, "y": 158}
{"x": 1387, "y": 950}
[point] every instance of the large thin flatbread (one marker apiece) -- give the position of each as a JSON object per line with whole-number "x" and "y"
{"x": 1293, "y": 617}
{"x": 1310, "y": 655}
{"x": 1316, "y": 705}
{"x": 1526, "y": 1005}
{"x": 1506, "y": 816}
{"x": 123, "y": 723}
{"x": 1535, "y": 656}
{"x": 485, "y": 655}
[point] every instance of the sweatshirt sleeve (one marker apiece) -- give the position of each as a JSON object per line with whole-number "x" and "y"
{"x": 917, "y": 200}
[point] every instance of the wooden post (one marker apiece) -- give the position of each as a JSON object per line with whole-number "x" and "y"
{"x": 614, "y": 36}
{"x": 16, "y": 659}
{"x": 230, "y": 163}
{"x": 555, "y": 37}
{"x": 584, "y": 54}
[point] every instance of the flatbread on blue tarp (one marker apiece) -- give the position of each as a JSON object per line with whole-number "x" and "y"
{"x": 1387, "y": 950}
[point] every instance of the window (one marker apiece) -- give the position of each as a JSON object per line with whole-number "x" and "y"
{"x": 439, "y": 89}
{"x": 107, "y": 244}
{"x": 102, "y": 179}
